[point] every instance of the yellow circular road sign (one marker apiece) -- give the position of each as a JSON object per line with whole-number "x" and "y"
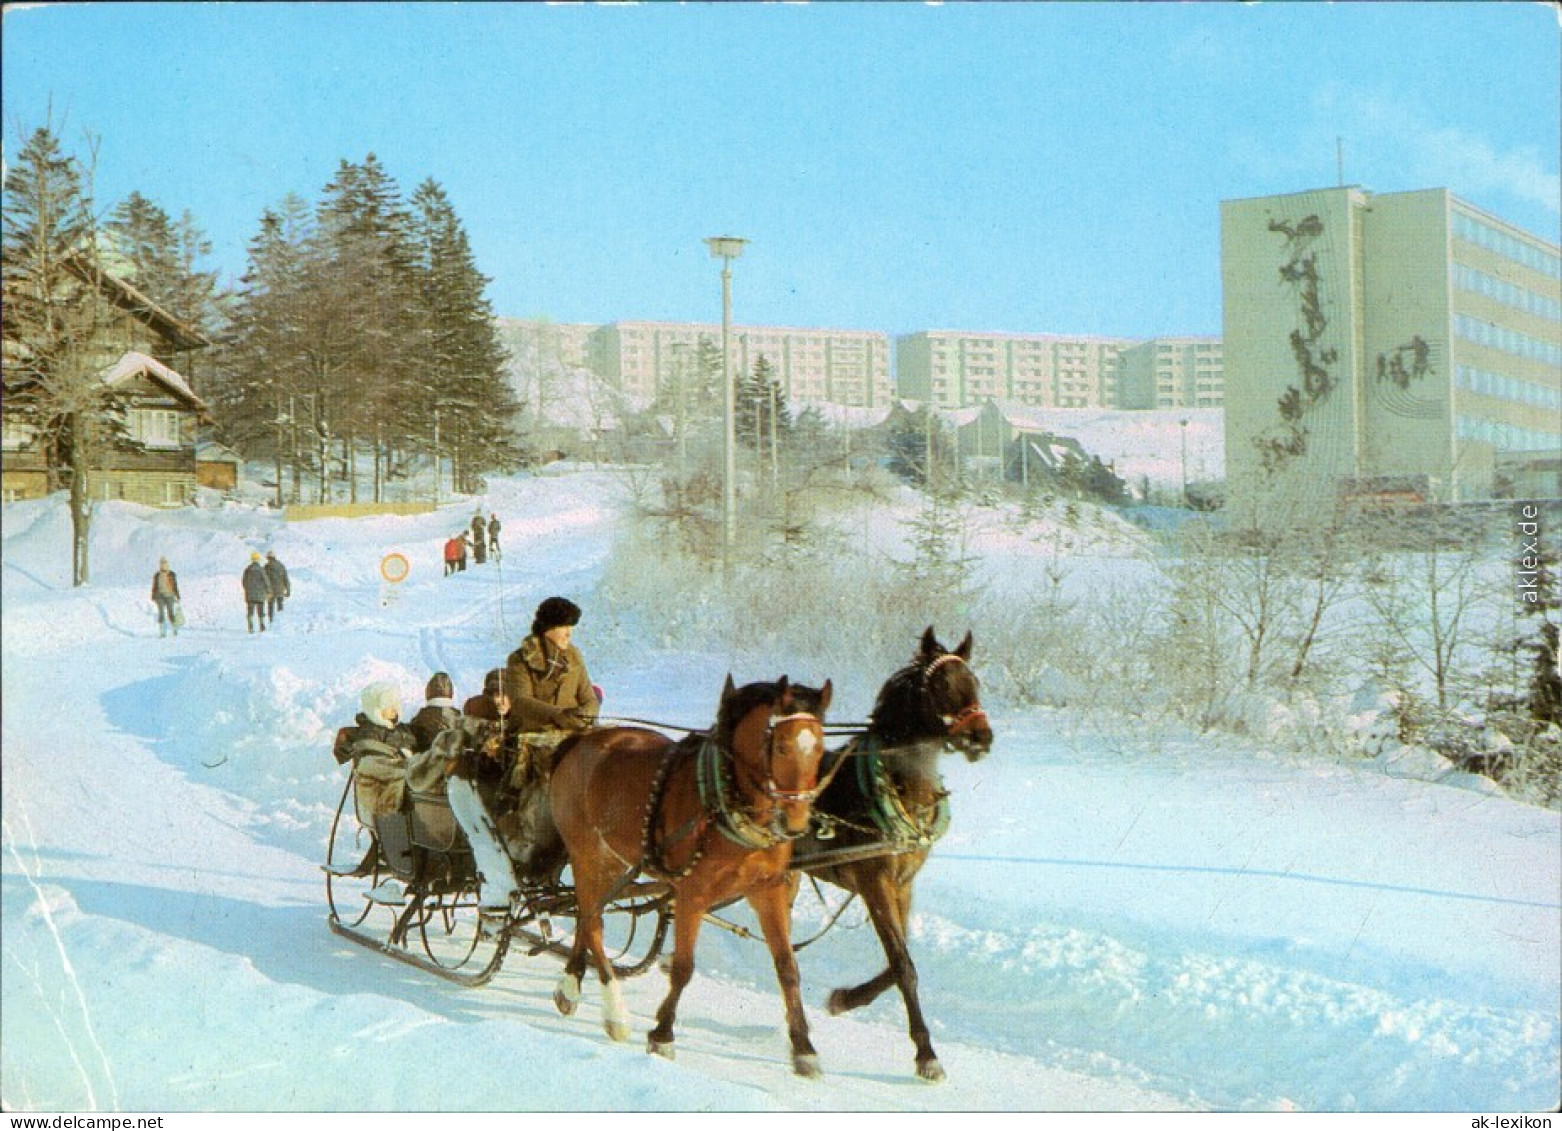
{"x": 395, "y": 567}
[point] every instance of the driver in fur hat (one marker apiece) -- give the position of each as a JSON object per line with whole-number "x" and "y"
{"x": 546, "y": 676}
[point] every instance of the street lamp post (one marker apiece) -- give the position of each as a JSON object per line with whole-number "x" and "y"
{"x": 1184, "y": 423}
{"x": 726, "y": 249}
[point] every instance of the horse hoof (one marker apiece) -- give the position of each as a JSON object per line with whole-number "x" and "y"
{"x": 566, "y": 995}
{"x": 660, "y": 1048}
{"x": 838, "y": 1003}
{"x": 930, "y": 1070}
{"x": 807, "y": 1065}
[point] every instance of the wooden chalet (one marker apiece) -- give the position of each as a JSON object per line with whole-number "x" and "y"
{"x": 1015, "y": 442}
{"x": 141, "y": 345}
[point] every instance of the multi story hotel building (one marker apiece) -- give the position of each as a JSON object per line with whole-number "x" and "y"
{"x": 841, "y": 367}
{"x": 1404, "y": 338}
{"x": 959, "y": 368}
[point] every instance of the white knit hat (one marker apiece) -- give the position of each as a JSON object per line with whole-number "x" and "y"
{"x": 380, "y": 701}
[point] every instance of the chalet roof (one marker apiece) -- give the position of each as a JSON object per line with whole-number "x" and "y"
{"x": 135, "y": 303}
{"x": 134, "y": 364}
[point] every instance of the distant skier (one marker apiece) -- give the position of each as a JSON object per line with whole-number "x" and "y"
{"x": 257, "y": 592}
{"x": 493, "y": 535}
{"x": 452, "y": 555}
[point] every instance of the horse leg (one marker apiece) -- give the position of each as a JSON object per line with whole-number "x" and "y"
{"x": 772, "y": 905}
{"x": 889, "y": 906}
{"x": 588, "y": 943}
{"x": 687, "y": 915}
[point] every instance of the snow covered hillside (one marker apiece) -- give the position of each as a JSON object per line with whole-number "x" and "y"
{"x": 1113, "y": 923}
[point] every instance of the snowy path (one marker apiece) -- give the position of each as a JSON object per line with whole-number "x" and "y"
{"x": 1113, "y": 923}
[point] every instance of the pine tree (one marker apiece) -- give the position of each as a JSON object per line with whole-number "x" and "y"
{"x": 466, "y": 377}
{"x": 369, "y": 288}
{"x": 54, "y": 316}
{"x": 276, "y": 387}
{"x": 144, "y": 247}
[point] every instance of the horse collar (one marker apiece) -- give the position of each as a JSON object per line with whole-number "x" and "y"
{"x": 888, "y": 809}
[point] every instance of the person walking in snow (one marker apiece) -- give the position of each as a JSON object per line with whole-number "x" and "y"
{"x": 257, "y": 592}
{"x": 165, "y": 595}
{"x": 452, "y": 555}
{"x": 281, "y": 587}
{"x": 479, "y": 538}
{"x": 493, "y": 536}
{"x": 462, "y": 546}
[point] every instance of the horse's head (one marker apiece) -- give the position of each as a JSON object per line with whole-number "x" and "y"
{"x": 936, "y": 696}
{"x": 775, "y": 733}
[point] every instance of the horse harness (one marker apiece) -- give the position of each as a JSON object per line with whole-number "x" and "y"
{"x": 721, "y": 807}
{"x": 902, "y": 826}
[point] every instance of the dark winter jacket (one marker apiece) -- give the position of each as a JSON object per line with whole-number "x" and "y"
{"x": 276, "y": 577}
{"x": 370, "y": 738}
{"x": 436, "y": 715}
{"x": 256, "y": 585}
{"x": 172, "y": 589}
{"x": 549, "y": 687}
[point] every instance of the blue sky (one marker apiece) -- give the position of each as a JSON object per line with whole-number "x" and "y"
{"x": 1017, "y": 167}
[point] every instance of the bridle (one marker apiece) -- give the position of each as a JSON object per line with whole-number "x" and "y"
{"x": 967, "y": 717}
{"x": 768, "y": 785}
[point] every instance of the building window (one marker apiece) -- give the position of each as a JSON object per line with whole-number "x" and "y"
{"x": 16, "y": 436}
{"x": 156, "y": 427}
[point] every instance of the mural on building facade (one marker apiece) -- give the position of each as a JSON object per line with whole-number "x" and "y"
{"x": 1300, "y": 272}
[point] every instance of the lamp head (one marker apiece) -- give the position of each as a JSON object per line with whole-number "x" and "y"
{"x": 725, "y": 247}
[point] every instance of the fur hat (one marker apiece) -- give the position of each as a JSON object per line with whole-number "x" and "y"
{"x": 555, "y": 612}
{"x": 381, "y": 701}
{"x": 439, "y": 687}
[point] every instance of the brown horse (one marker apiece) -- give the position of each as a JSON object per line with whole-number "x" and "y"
{"x": 881, "y": 814}
{"x": 714, "y": 816}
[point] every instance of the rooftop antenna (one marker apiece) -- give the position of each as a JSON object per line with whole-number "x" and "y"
{"x": 1339, "y": 159}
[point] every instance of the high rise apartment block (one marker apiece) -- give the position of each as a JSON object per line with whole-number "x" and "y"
{"x": 1399, "y": 337}
{"x": 842, "y": 367}
{"x": 958, "y": 368}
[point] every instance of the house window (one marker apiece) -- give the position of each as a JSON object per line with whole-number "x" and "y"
{"x": 156, "y": 427}
{"x": 16, "y": 436}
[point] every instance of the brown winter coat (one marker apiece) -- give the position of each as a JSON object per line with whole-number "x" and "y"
{"x": 549, "y": 688}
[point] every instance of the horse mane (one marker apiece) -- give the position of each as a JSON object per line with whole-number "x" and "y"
{"x": 905, "y": 709}
{"x": 737, "y": 706}
{"x": 901, "y": 710}
{"x": 751, "y": 695}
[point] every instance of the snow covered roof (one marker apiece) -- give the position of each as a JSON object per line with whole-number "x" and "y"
{"x": 133, "y": 364}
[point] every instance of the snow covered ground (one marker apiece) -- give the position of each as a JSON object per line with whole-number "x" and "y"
{"x": 1114, "y": 923}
